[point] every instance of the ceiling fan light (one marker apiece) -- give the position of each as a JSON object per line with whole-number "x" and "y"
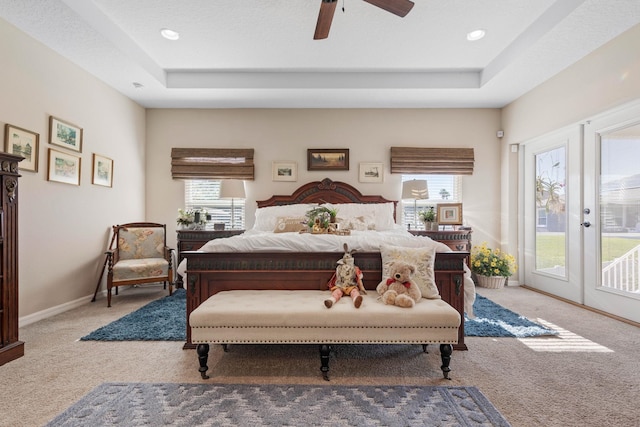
{"x": 169, "y": 34}
{"x": 475, "y": 35}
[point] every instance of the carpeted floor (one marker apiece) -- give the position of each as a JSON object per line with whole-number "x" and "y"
{"x": 165, "y": 320}
{"x": 133, "y": 404}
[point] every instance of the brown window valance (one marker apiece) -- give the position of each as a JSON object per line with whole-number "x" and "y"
{"x": 426, "y": 160}
{"x": 212, "y": 163}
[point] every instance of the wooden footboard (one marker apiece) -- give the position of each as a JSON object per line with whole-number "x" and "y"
{"x": 210, "y": 273}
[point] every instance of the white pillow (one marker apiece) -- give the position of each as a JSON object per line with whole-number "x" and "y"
{"x": 382, "y": 213}
{"x": 423, "y": 259}
{"x": 267, "y": 218}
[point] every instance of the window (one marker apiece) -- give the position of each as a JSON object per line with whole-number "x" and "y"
{"x": 442, "y": 189}
{"x": 205, "y": 194}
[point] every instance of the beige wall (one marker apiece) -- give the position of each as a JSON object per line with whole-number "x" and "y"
{"x": 607, "y": 78}
{"x": 278, "y": 135}
{"x": 63, "y": 229}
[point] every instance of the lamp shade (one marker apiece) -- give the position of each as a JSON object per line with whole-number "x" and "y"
{"x": 232, "y": 189}
{"x": 415, "y": 189}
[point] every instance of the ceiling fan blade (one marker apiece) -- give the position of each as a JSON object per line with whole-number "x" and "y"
{"x": 397, "y": 7}
{"x": 327, "y": 9}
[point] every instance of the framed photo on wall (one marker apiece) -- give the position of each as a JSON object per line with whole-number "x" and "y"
{"x": 65, "y": 134}
{"x": 102, "y": 172}
{"x": 328, "y": 159}
{"x": 63, "y": 167}
{"x": 285, "y": 171}
{"x": 22, "y": 142}
{"x": 449, "y": 213}
{"x": 371, "y": 172}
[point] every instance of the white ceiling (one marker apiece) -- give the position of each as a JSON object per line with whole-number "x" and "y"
{"x": 261, "y": 54}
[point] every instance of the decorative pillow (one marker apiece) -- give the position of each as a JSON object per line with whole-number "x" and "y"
{"x": 289, "y": 224}
{"x": 267, "y": 218}
{"x": 380, "y": 213}
{"x": 360, "y": 223}
{"x": 422, "y": 258}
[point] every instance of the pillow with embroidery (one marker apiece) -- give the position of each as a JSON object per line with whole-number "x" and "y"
{"x": 422, "y": 258}
{"x": 288, "y": 224}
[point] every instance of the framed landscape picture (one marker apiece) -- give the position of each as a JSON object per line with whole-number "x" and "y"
{"x": 449, "y": 213}
{"x": 22, "y": 142}
{"x": 285, "y": 171}
{"x": 371, "y": 172}
{"x": 63, "y": 167}
{"x": 102, "y": 171}
{"x": 328, "y": 159}
{"x": 65, "y": 134}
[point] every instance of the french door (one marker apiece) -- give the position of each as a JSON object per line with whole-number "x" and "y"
{"x": 552, "y": 259}
{"x": 612, "y": 193}
{"x": 581, "y": 211}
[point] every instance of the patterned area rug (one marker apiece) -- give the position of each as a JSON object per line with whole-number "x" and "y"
{"x": 135, "y": 404}
{"x": 165, "y": 320}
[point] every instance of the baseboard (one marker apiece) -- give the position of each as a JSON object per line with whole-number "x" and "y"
{"x": 52, "y": 311}
{"x": 586, "y": 307}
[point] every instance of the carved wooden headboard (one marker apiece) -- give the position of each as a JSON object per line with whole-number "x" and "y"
{"x": 325, "y": 191}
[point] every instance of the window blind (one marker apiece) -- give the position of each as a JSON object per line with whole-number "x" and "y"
{"x": 432, "y": 161}
{"x": 212, "y": 163}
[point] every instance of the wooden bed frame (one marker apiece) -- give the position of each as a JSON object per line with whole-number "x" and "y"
{"x": 211, "y": 272}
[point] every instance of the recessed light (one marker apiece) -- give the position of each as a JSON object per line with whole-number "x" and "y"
{"x": 169, "y": 34}
{"x": 476, "y": 35}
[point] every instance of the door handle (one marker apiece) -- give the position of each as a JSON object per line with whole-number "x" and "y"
{"x": 586, "y": 224}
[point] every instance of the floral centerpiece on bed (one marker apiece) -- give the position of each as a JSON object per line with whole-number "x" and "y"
{"x": 320, "y": 217}
{"x": 492, "y": 263}
{"x": 193, "y": 219}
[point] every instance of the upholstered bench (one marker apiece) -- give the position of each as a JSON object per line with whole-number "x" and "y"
{"x": 300, "y": 317}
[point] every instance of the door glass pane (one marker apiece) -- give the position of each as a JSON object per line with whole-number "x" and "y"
{"x": 620, "y": 209}
{"x": 551, "y": 215}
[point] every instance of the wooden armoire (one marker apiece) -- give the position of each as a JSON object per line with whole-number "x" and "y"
{"x": 10, "y": 346}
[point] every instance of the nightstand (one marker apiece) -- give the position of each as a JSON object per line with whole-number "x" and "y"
{"x": 457, "y": 240}
{"x": 192, "y": 240}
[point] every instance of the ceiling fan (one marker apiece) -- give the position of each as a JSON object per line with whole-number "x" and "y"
{"x": 328, "y": 7}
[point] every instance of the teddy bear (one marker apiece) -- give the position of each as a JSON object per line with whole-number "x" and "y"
{"x": 347, "y": 280}
{"x": 398, "y": 289}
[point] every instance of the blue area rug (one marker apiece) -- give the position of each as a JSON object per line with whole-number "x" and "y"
{"x": 136, "y": 404}
{"x": 493, "y": 320}
{"x": 165, "y": 319}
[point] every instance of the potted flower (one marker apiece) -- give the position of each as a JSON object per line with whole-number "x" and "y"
{"x": 192, "y": 219}
{"x": 428, "y": 216}
{"x": 491, "y": 266}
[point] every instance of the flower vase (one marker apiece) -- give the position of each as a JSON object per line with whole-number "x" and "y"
{"x": 491, "y": 282}
{"x": 431, "y": 226}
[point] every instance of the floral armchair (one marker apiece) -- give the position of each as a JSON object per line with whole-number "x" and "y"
{"x": 141, "y": 255}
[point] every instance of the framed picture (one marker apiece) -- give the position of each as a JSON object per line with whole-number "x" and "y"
{"x": 22, "y": 142}
{"x": 371, "y": 172}
{"x": 328, "y": 159}
{"x": 65, "y": 134}
{"x": 285, "y": 171}
{"x": 450, "y": 213}
{"x": 63, "y": 167}
{"x": 102, "y": 171}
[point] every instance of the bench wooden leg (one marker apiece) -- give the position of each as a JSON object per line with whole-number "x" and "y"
{"x": 203, "y": 356}
{"x": 445, "y": 354}
{"x": 325, "y": 349}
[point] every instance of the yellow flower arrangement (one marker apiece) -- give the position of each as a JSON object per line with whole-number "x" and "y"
{"x": 492, "y": 262}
